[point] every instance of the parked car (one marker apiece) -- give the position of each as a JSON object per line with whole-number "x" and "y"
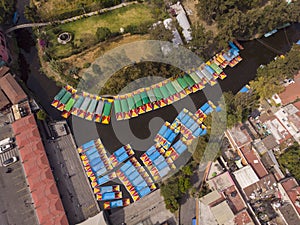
{"x": 4, "y": 148}
{"x": 10, "y": 161}
{"x": 6, "y": 141}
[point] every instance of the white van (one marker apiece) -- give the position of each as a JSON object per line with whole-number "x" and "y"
{"x": 6, "y": 141}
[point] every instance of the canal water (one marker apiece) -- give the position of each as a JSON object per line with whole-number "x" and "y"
{"x": 140, "y": 131}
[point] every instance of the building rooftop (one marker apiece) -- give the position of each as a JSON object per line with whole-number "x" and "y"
{"x": 277, "y": 129}
{"x": 212, "y": 198}
{"x": 289, "y": 183}
{"x": 269, "y": 142}
{"x": 12, "y": 89}
{"x": 4, "y": 70}
{"x": 246, "y": 176}
{"x": 269, "y": 160}
{"x": 243, "y": 218}
{"x": 223, "y": 213}
{"x": 289, "y": 214}
{"x": 254, "y": 161}
{"x": 221, "y": 182}
{"x": 297, "y": 105}
{"x": 290, "y": 120}
{"x": 234, "y": 199}
{"x": 259, "y": 146}
{"x": 264, "y": 187}
{"x": 45, "y": 195}
{"x": 240, "y": 135}
{"x": 3, "y": 100}
{"x": 291, "y": 92}
{"x": 292, "y": 188}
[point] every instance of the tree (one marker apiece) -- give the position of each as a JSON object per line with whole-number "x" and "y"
{"x": 201, "y": 40}
{"x": 30, "y": 13}
{"x": 41, "y": 115}
{"x": 103, "y": 33}
{"x": 200, "y": 149}
{"x": 290, "y": 160}
{"x": 159, "y": 32}
{"x": 6, "y": 10}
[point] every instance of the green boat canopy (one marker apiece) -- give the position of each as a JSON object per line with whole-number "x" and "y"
{"x": 145, "y": 98}
{"x": 117, "y": 105}
{"x": 182, "y": 82}
{"x": 92, "y": 106}
{"x": 69, "y": 105}
{"x": 107, "y": 108}
{"x": 137, "y": 100}
{"x": 157, "y": 93}
{"x": 124, "y": 105}
{"x": 66, "y": 98}
{"x": 60, "y": 94}
{"x": 78, "y": 102}
{"x": 131, "y": 104}
{"x": 170, "y": 88}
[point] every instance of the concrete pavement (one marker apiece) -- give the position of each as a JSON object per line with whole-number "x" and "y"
{"x": 16, "y": 207}
{"x": 76, "y": 193}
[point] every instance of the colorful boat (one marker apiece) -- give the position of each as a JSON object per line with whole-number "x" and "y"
{"x": 109, "y": 196}
{"x": 106, "y": 111}
{"x": 116, "y": 204}
{"x": 57, "y": 97}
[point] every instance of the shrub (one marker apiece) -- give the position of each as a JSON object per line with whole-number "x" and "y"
{"x": 86, "y": 65}
{"x": 41, "y": 115}
{"x": 103, "y": 33}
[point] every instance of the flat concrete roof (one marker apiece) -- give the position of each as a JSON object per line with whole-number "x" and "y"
{"x": 211, "y": 197}
{"x": 221, "y": 182}
{"x": 246, "y": 176}
{"x": 223, "y": 213}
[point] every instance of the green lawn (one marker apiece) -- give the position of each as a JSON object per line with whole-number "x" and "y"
{"x": 84, "y": 30}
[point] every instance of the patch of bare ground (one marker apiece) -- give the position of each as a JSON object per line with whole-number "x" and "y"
{"x": 190, "y": 7}
{"x": 91, "y": 54}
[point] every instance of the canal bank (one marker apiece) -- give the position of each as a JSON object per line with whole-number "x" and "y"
{"x": 137, "y": 131}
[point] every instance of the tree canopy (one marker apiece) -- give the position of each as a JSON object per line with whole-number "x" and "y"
{"x": 6, "y": 11}
{"x": 290, "y": 160}
{"x": 270, "y": 77}
{"x": 103, "y": 33}
{"x": 246, "y": 19}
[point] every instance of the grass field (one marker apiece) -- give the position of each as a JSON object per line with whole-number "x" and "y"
{"x": 51, "y": 8}
{"x": 84, "y": 30}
